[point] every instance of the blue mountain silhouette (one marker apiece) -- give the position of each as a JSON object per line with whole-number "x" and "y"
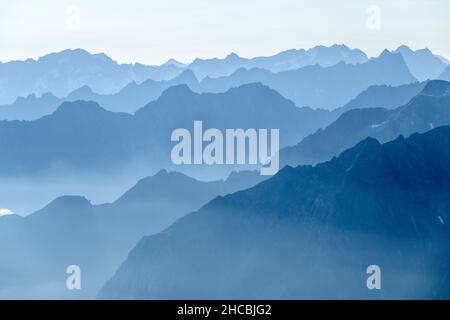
{"x": 65, "y": 71}
{"x": 445, "y": 74}
{"x": 382, "y": 96}
{"x": 96, "y": 237}
{"x": 311, "y": 232}
{"x": 423, "y": 64}
{"x": 83, "y": 136}
{"x": 324, "y": 85}
{"x": 283, "y": 61}
{"x": 321, "y": 87}
{"x": 133, "y": 96}
{"x": 427, "y": 110}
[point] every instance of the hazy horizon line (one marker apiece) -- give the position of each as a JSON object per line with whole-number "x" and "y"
{"x": 273, "y": 53}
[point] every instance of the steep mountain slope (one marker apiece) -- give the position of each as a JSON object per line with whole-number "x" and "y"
{"x": 382, "y": 96}
{"x": 311, "y": 232}
{"x": 31, "y": 107}
{"x": 63, "y": 72}
{"x": 429, "y": 109}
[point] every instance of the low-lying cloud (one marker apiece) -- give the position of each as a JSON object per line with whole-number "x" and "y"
{"x": 5, "y": 212}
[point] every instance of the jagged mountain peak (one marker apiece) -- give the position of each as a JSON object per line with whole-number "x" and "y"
{"x": 64, "y": 204}
{"x": 174, "y": 62}
{"x": 176, "y": 92}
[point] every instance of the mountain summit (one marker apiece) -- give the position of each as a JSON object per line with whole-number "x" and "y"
{"x": 422, "y": 63}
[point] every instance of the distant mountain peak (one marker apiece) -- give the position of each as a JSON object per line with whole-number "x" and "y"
{"x": 406, "y": 49}
{"x": 174, "y": 62}
{"x": 165, "y": 175}
{"x": 81, "y": 91}
{"x": 252, "y": 89}
{"x": 64, "y": 204}
{"x": 70, "y": 199}
{"x": 388, "y": 54}
{"x": 178, "y": 91}
{"x": 232, "y": 56}
{"x": 77, "y": 51}
{"x": 351, "y": 157}
{"x": 403, "y": 47}
{"x": 48, "y": 95}
{"x": 187, "y": 74}
{"x": 79, "y": 107}
{"x": 341, "y": 46}
{"x": 164, "y": 184}
{"x": 422, "y": 63}
{"x": 234, "y": 175}
{"x": 443, "y": 59}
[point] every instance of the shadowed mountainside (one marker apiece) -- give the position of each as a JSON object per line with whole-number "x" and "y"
{"x": 37, "y": 249}
{"x": 311, "y": 232}
{"x": 429, "y": 109}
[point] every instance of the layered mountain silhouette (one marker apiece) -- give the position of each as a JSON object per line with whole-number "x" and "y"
{"x": 83, "y": 136}
{"x": 37, "y": 249}
{"x": 443, "y": 59}
{"x": 422, "y": 63}
{"x": 428, "y": 110}
{"x": 364, "y": 181}
{"x": 65, "y": 71}
{"x": 133, "y": 96}
{"x": 174, "y": 62}
{"x": 445, "y": 74}
{"x": 283, "y": 61}
{"x": 129, "y": 99}
{"x": 31, "y": 107}
{"x": 311, "y": 232}
{"x": 317, "y": 86}
{"x": 323, "y": 77}
{"x": 321, "y": 87}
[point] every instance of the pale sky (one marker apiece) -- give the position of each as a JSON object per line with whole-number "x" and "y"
{"x": 151, "y": 31}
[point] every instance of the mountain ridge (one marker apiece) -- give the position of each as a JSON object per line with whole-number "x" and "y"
{"x": 322, "y": 231}
{"x": 428, "y": 109}
{"x": 70, "y": 229}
